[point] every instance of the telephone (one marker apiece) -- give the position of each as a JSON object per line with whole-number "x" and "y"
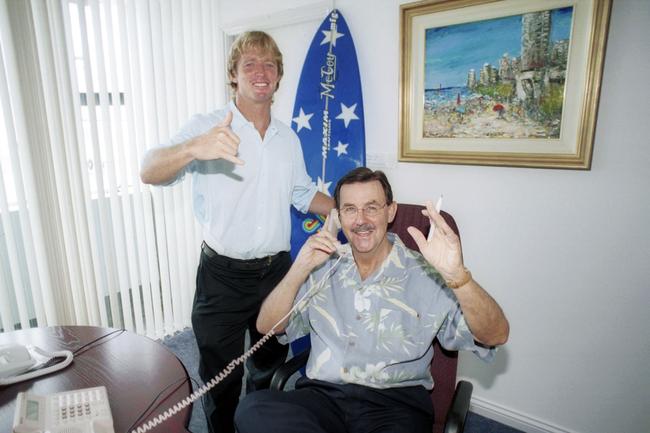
{"x": 19, "y": 363}
{"x": 79, "y": 411}
{"x": 333, "y": 225}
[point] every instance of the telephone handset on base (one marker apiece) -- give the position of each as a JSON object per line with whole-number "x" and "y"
{"x": 19, "y": 363}
{"x": 79, "y": 411}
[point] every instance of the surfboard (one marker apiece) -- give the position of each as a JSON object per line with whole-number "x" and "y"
{"x": 328, "y": 116}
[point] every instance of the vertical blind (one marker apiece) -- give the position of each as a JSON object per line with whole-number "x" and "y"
{"x": 87, "y": 86}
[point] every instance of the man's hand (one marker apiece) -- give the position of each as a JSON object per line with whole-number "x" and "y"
{"x": 443, "y": 250}
{"x": 313, "y": 253}
{"x": 218, "y": 143}
{"x": 316, "y": 250}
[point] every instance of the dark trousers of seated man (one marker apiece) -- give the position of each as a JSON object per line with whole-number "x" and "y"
{"x": 229, "y": 293}
{"x": 322, "y": 407}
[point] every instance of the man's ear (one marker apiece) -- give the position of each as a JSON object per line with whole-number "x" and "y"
{"x": 232, "y": 77}
{"x": 392, "y": 210}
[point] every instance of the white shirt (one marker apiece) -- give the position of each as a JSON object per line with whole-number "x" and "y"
{"x": 244, "y": 209}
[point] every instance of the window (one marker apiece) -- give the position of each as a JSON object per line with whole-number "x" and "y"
{"x": 114, "y": 77}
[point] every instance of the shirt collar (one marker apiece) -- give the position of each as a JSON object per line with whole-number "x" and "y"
{"x": 273, "y": 127}
{"x": 398, "y": 246}
{"x": 239, "y": 121}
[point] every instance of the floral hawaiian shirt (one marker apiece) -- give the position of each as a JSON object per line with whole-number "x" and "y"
{"x": 379, "y": 332}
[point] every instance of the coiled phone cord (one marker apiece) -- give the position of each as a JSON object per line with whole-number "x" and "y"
{"x": 301, "y": 304}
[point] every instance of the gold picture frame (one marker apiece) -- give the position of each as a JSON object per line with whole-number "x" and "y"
{"x": 538, "y": 108}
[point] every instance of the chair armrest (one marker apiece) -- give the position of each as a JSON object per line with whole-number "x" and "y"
{"x": 286, "y": 370}
{"x": 459, "y": 407}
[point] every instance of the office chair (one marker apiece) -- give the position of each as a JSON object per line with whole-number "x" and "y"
{"x": 450, "y": 400}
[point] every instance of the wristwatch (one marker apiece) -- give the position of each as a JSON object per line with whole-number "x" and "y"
{"x": 456, "y": 284}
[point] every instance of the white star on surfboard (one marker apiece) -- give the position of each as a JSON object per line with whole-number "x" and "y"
{"x": 331, "y": 35}
{"x": 347, "y": 114}
{"x": 341, "y": 149}
{"x": 323, "y": 187}
{"x": 302, "y": 121}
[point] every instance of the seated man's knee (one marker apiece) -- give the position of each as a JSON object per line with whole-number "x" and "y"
{"x": 249, "y": 416}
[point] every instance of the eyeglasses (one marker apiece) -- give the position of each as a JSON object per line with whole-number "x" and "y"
{"x": 371, "y": 210}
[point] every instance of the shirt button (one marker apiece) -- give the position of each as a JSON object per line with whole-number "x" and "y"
{"x": 351, "y": 343}
{"x": 358, "y": 317}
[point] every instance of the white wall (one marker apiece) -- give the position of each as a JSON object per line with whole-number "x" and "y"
{"x": 566, "y": 253}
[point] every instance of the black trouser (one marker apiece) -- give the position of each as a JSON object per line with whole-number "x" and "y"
{"x": 322, "y": 407}
{"x": 228, "y": 296}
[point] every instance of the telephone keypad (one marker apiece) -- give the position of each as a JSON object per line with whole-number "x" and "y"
{"x": 78, "y": 411}
{"x": 79, "y": 405}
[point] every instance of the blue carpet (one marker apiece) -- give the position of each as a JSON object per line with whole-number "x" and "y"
{"x": 183, "y": 345}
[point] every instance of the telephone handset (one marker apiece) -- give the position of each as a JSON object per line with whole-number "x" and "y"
{"x": 333, "y": 225}
{"x": 19, "y": 363}
{"x": 79, "y": 411}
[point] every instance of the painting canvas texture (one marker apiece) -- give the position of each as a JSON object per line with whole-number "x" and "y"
{"x": 497, "y": 78}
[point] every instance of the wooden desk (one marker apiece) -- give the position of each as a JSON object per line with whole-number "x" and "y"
{"x": 136, "y": 371}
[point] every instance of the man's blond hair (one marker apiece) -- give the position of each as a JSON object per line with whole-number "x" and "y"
{"x": 253, "y": 40}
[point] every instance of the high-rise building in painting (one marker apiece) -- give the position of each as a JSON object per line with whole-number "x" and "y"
{"x": 535, "y": 36}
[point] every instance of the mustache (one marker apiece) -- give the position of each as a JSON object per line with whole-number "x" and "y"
{"x": 363, "y": 228}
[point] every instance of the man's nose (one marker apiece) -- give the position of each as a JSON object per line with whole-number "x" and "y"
{"x": 360, "y": 217}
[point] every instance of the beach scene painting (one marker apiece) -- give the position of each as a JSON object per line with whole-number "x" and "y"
{"x": 497, "y": 78}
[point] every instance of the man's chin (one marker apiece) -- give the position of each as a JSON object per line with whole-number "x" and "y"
{"x": 362, "y": 247}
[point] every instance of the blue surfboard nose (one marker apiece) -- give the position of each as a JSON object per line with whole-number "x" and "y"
{"x": 328, "y": 115}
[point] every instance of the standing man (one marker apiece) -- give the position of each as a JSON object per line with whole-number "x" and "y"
{"x": 373, "y": 313}
{"x": 247, "y": 170}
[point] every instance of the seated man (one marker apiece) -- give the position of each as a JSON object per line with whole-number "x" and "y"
{"x": 372, "y": 316}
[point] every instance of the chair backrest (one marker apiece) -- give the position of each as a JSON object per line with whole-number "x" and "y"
{"x": 443, "y": 367}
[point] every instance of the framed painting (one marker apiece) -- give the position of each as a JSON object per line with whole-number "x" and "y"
{"x": 507, "y": 82}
